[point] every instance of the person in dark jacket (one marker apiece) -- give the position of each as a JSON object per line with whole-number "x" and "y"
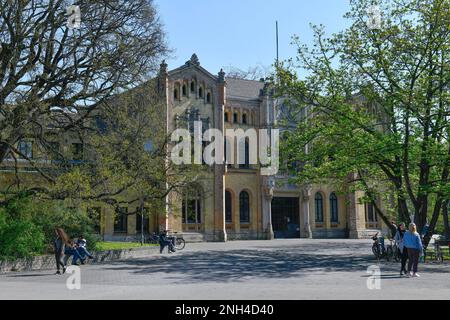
{"x": 71, "y": 250}
{"x": 60, "y": 244}
{"x": 403, "y": 252}
{"x": 165, "y": 240}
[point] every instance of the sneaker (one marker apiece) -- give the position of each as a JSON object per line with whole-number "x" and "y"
{"x": 64, "y": 270}
{"x": 58, "y": 272}
{"x": 416, "y": 275}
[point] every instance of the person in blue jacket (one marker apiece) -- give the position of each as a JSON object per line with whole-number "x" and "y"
{"x": 413, "y": 243}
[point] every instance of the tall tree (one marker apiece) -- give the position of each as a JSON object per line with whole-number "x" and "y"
{"x": 126, "y": 156}
{"x": 52, "y": 70}
{"x": 377, "y": 106}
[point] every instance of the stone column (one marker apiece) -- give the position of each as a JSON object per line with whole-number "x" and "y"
{"x": 356, "y": 216}
{"x": 220, "y": 233}
{"x": 305, "y": 202}
{"x": 269, "y": 185}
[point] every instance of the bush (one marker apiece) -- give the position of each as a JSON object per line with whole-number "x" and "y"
{"x": 27, "y": 226}
{"x": 20, "y": 239}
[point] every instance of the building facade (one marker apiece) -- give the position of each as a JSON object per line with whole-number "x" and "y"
{"x": 235, "y": 201}
{"x": 230, "y": 201}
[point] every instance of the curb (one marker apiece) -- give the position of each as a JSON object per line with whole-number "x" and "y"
{"x": 47, "y": 262}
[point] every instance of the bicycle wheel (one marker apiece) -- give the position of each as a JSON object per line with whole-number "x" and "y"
{"x": 375, "y": 252}
{"x": 180, "y": 244}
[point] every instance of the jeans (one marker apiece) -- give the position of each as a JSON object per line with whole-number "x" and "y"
{"x": 71, "y": 252}
{"x": 413, "y": 256}
{"x": 404, "y": 257}
{"x": 59, "y": 262}
{"x": 82, "y": 254}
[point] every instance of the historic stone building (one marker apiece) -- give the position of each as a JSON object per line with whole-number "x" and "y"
{"x": 233, "y": 201}
{"x": 237, "y": 201}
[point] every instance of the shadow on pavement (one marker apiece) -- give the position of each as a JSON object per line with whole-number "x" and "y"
{"x": 233, "y": 265}
{"x": 30, "y": 275}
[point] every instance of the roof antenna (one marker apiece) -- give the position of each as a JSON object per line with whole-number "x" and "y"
{"x": 277, "y": 40}
{"x": 277, "y": 62}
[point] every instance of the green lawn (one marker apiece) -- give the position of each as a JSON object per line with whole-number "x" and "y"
{"x": 105, "y": 246}
{"x": 444, "y": 250}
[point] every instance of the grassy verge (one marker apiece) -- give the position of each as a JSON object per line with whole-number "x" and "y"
{"x": 105, "y": 246}
{"x": 445, "y": 253}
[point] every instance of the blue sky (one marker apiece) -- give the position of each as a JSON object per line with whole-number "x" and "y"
{"x": 241, "y": 33}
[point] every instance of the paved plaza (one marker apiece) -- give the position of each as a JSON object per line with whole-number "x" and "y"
{"x": 256, "y": 270}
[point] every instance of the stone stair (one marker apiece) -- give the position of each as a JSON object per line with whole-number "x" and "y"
{"x": 193, "y": 236}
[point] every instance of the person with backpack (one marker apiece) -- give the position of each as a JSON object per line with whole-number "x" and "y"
{"x": 71, "y": 250}
{"x": 83, "y": 253}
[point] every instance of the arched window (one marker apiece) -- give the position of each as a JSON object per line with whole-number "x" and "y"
{"x": 319, "y": 207}
{"x": 226, "y": 117}
{"x": 228, "y": 207}
{"x": 184, "y": 90}
{"x": 246, "y": 150}
{"x": 175, "y": 94}
{"x": 200, "y": 92}
{"x": 247, "y": 154}
{"x": 227, "y": 152}
{"x": 208, "y": 97}
{"x": 235, "y": 117}
{"x": 370, "y": 213}
{"x": 191, "y": 207}
{"x": 193, "y": 86}
{"x": 334, "y": 213}
{"x": 244, "y": 118}
{"x": 244, "y": 207}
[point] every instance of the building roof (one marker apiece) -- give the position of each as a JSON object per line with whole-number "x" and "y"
{"x": 245, "y": 89}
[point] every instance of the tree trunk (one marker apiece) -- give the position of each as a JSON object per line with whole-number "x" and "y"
{"x": 3, "y": 151}
{"x": 403, "y": 210}
{"x": 446, "y": 222}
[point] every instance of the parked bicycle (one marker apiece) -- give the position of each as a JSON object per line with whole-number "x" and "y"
{"x": 180, "y": 243}
{"x": 381, "y": 251}
{"x": 378, "y": 248}
{"x": 392, "y": 251}
{"x": 437, "y": 254}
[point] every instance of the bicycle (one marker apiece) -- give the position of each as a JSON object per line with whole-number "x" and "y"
{"x": 378, "y": 248}
{"x": 392, "y": 251}
{"x": 437, "y": 253}
{"x": 180, "y": 243}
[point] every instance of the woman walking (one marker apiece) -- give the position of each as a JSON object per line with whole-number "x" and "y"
{"x": 403, "y": 252}
{"x": 412, "y": 242}
{"x": 60, "y": 243}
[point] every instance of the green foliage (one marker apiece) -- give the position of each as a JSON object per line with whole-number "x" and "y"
{"x": 27, "y": 226}
{"x": 19, "y": 239}
{"x": 373, "y": 106}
